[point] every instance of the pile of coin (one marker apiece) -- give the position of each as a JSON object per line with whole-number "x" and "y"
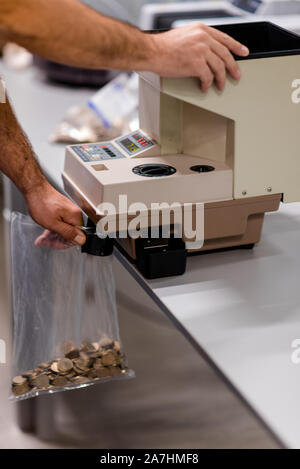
{"x": 92, "y": 361}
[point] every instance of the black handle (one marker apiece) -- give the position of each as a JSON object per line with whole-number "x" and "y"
{"x": 94, "y": 245}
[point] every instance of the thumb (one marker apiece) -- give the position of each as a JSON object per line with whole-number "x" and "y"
{"x": 70, "y": 233}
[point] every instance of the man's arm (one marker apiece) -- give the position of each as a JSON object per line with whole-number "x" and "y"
{"x": 69, "y": 32}
{"x": 47, "y": 206}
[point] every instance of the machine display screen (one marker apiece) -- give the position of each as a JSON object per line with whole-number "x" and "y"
{"x": 141, "y": 140}
{"x": 129, "y": 145}
{"x": 135, "y": 142}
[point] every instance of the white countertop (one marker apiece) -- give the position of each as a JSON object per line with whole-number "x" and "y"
{"x": 241, "y": 309}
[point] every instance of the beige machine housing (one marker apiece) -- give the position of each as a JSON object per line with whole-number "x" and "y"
{"x": 248, "y": 134}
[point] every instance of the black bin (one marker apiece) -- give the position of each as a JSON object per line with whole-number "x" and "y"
{"x": 263, "y": 39}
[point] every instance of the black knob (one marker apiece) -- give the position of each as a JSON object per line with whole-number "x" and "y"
{"x": 96, "y": 246}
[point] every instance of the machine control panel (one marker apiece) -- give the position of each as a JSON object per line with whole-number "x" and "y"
{"x": 97, "y": 151}
{"x": 134, "y": 143}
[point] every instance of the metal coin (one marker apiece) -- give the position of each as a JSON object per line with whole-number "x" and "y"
{"x": 67, "y": 347}
{"x": 41, "y": 381}
{"x": 19, "y": 381}
{"x": 108, "y": 358}
{"x": 106, "y": 343}
{"x": 64, "y": 365}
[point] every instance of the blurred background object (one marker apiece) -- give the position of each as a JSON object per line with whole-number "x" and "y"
{"x": 16, "y": 57}
{"x": 164, "y": 15}
{"x": 112, "y": 111}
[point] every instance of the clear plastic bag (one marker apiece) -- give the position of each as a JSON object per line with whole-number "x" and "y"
{"x": 81, "y": 125}
{"x": 65, "y": 323}
{"x": 111, "y": 112}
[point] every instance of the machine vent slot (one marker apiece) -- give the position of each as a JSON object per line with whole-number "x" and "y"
{"x": 154, "y": 170}
{"x": 202, "y": 168}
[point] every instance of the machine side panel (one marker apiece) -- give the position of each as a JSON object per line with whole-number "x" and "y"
{"x": 204, "y": 133}
{"x": 267, "y": 140}
{"x": 170, "y": 125}
{"x": 161, "y": 117}
{"x": 266, "y": 136}
{"x": 149, "y": 110}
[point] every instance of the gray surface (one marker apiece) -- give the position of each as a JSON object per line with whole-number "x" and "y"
{"x": 40, "y": 107}
{"x": 200, "y": 307}
{"x": 244, "y": 310}
{"x": 176, "y": 401}
{"x": 241, "y": 310}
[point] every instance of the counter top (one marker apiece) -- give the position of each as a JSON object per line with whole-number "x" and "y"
{"x": 240, "y": 309}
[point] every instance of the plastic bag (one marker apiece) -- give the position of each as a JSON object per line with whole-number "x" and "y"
{"x": 111, "y": 112}
{"x": 81, "y": 125}
{"x": 117, "y": 100}
{"x": 65, "y": 323}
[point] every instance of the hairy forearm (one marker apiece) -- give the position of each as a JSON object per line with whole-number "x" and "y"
{"x": 69, "y": 32}
{"x": 17, "y": 160}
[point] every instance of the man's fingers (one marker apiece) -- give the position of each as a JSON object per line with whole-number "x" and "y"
{"x": 52, "y": 240}
{"x": 224, "y": 54}
{"x": 58, "y": 214}
{"x": 72, "y": 218}
{"x": 216, "y": 50}
{"x": 70, "y": 233}
{"x": 236, "y": 47}
{"x": 218, "y": 68}
{"x": 206, "y": 76}
{"x": 42, "y": 239}
{"x": 72, "y": 214}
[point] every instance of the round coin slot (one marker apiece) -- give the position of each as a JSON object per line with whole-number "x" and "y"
{"x": 154, "y": 170}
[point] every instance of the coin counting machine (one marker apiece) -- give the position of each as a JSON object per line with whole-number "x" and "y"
{"x": 236, "y": 152}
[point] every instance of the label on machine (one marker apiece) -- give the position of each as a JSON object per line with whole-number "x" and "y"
{"x": 97, "y": 151}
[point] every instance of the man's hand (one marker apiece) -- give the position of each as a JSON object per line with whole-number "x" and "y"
{"x": 200, "y": 51}
{"x": 49, "y": 239}
{"x": 57, "y": 214}
{"x": 47, "y": 207}
{"x": 94, "y": 41}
